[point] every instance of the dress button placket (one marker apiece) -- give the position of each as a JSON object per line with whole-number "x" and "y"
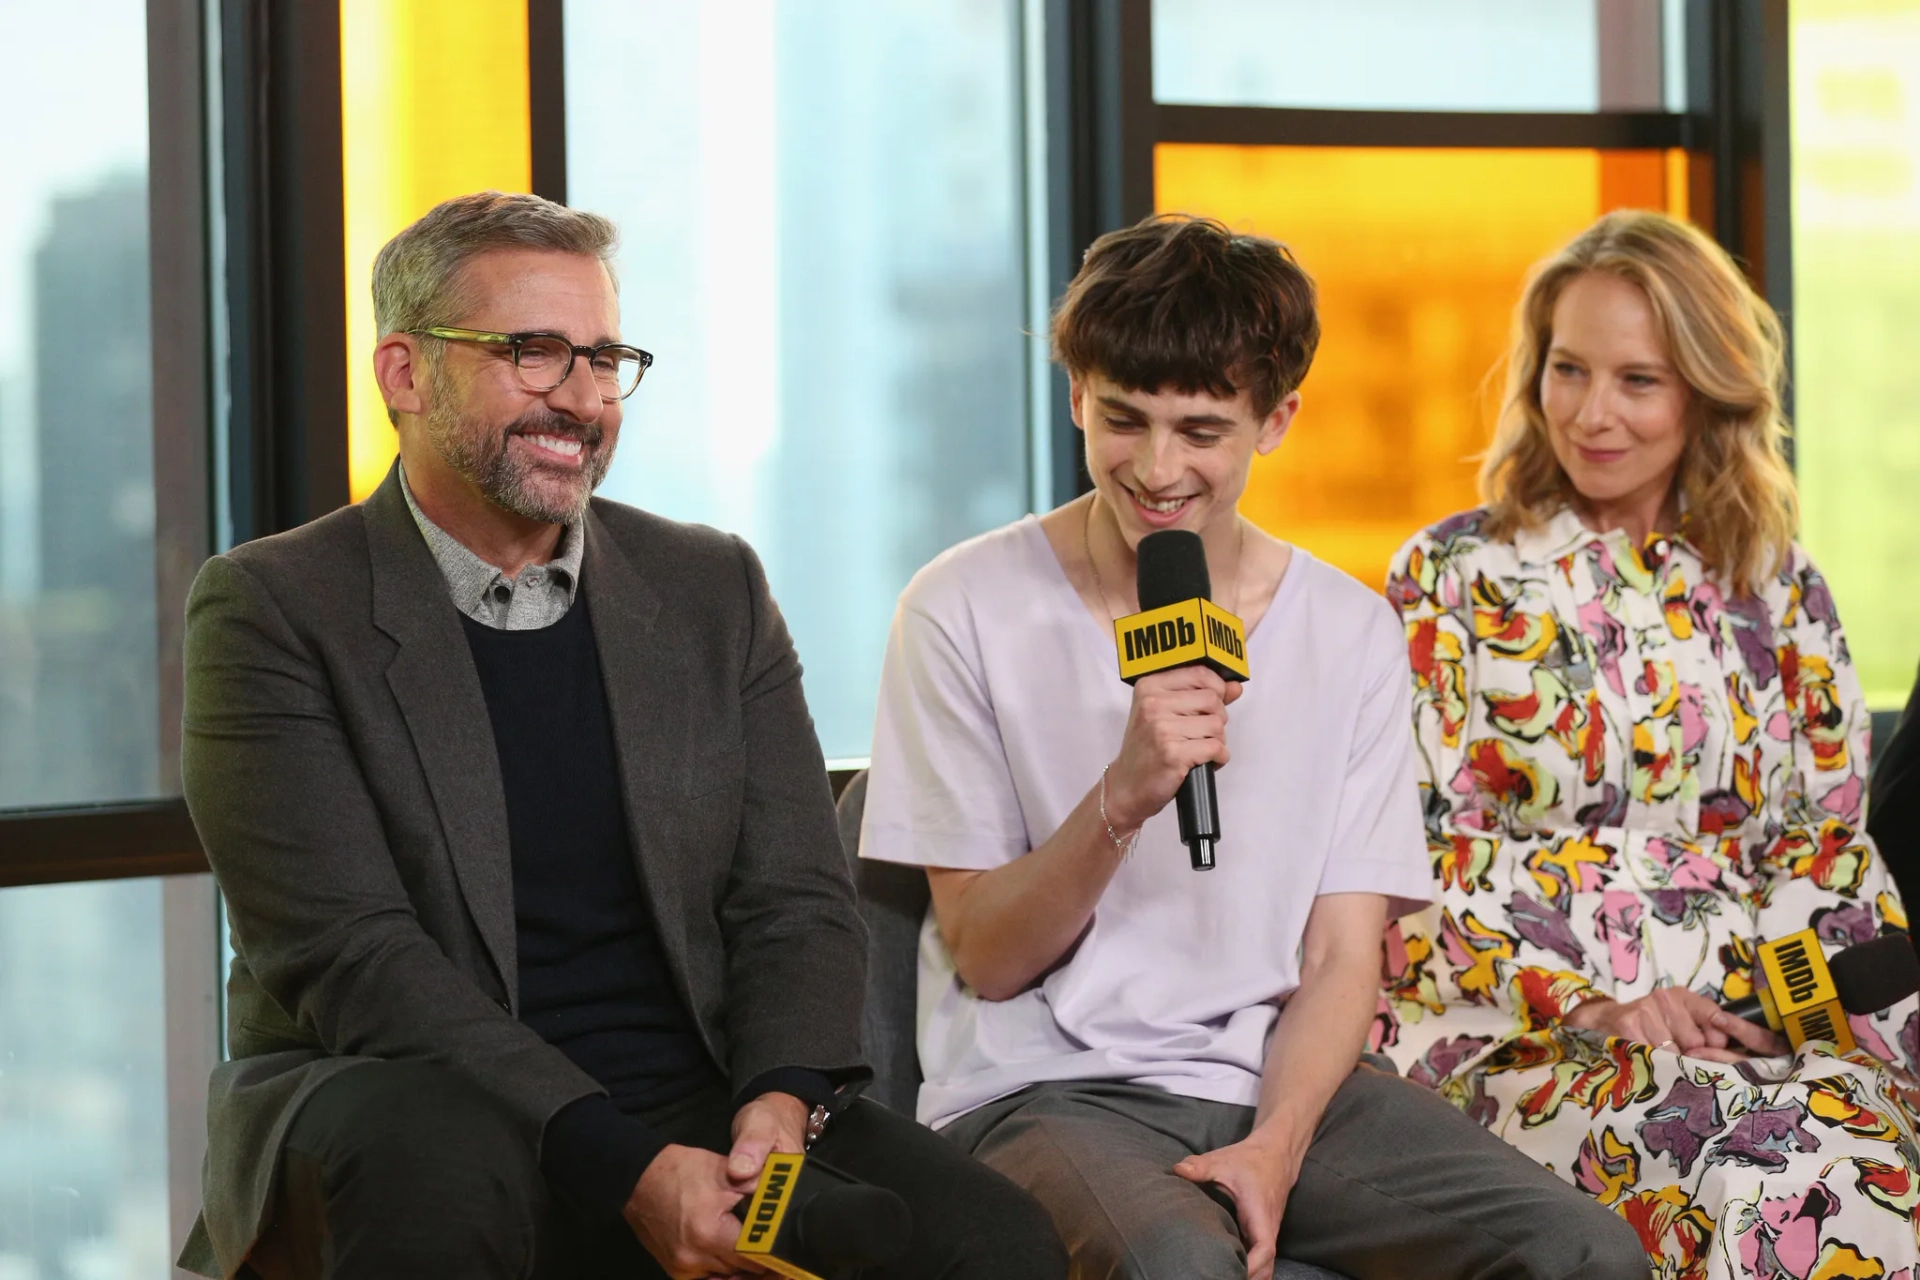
{"x": 1582, "y": 675}
{"x": 1640, "y": 615}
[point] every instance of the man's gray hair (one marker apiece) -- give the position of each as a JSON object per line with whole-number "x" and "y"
{"x": 418, "y": 279}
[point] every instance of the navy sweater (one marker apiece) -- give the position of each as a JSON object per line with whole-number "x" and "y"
{"x": 594, "y": 981}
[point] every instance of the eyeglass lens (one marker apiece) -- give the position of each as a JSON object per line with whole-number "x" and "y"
{"x": 543, "y": 365}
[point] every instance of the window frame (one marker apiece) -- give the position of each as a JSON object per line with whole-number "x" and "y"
{"x": 1734, "y": 127}
{"x": 259, "y": 80}
{"x": 1735, "y": 130}
{"x": 149, "y": 837}
{"x": 1101, "y": 166}
{"x": 278, "y": 88}
{"x": 155, "y": 838}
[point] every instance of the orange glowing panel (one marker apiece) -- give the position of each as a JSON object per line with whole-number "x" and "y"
{"x": 1419, "y": 255}
{"x": 433, "y": 105}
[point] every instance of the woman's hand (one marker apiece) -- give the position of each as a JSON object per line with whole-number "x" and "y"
{"x": 1685, "y": 1021}
{"x": 1178, "y": 720}
{"x": 1259, "y": 1173}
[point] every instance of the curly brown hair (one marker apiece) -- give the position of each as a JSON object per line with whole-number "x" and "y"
{"x": 1182, "y": 302}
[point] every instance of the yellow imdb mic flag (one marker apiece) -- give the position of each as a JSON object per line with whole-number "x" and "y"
{"x": 767, "y": 1211}
{"x": 1179, "y": 634}
{"x": 806, "y": 1220}
{"x": 1798, "y": 994}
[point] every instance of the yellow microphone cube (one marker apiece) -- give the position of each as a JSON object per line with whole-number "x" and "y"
{"x": 1178, "y": 634}
{"x": 1822, "y": 1022}
{"x": 760, "y": 1224}
{"x": 1800, "y": 989}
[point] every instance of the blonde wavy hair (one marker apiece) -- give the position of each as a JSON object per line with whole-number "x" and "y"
{"x": 1740, "y": 508}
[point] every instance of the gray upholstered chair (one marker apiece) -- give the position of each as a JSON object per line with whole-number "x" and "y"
{"x": 893, "y": 903}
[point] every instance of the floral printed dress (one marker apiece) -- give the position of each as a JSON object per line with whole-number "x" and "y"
{"x": 1629, "y": 777}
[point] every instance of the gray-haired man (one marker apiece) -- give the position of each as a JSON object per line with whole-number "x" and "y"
{"x": 544, "y": 938}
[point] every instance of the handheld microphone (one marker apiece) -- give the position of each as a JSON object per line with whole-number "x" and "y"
{"x": 1178, "y": 624}
{"x": 809, "y": 1221}
{"x": 1802, "y": 991}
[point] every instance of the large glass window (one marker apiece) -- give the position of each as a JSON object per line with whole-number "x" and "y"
{"x": 83, "y": 1096}
{"x": 84, "y": 1160}
{"x": 1416, "y": 55}
{"x": 1856, "y": 318}
{"x": 1419, "y": 255}
{"x": 79, "y": 690}
{"x": 821, "y": 218}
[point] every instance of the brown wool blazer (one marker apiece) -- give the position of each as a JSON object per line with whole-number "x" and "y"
{"x": 339, "y": 765}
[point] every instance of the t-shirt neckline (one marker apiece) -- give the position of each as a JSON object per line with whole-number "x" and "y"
{"x": 1044, "y": 549}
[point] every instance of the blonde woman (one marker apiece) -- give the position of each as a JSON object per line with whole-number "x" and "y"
{"x": 1643, "y": 747}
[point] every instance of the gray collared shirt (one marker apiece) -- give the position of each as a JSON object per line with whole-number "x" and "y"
{"x": 539, "y": 597}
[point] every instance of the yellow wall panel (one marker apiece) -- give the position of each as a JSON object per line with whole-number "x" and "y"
{"x": 434, "y": 104}
{"x": 1419, "y": 254}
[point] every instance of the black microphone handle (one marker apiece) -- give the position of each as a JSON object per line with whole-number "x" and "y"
{"x": 1748, "y": 1007}
{"x": 1199, "y": 810}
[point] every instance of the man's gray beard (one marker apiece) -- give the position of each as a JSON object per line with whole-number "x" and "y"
{"x": 481, "y": 456}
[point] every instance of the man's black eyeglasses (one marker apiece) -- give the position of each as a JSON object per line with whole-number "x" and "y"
{"x": 545, "y": 360}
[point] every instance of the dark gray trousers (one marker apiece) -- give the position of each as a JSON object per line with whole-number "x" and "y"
{"x": 1397, "y": 1185}
{"x": 406, "y": 1170}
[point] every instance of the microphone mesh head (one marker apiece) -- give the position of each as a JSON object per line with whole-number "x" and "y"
{"x": 1876, "y": 975}
{"x": 854, "y": 1226}
{"x": 1173, "y": 567}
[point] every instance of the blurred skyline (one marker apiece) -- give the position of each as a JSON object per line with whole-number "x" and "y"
{"x": 83, "y": 1143}
{"x": 103, "y": 130}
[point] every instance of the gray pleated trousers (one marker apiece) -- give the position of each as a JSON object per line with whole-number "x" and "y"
{"x": 1397, "y": 1185}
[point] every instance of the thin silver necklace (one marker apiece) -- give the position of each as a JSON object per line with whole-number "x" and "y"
{"x": 1086, "y": 543}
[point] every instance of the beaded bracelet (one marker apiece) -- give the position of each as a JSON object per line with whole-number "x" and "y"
{"x": 1123, "y": 847}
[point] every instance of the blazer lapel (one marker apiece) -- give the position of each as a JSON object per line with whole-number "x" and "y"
{"x": 434, "y": 681}
{"x": 648, "y": 712}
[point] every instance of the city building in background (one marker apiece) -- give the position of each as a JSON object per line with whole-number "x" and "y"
{"x": 83, "y": 1115}
{"x": 94, "y": 711}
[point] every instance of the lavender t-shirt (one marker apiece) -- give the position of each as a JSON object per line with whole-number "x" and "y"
{"x": 1000, "y": 702}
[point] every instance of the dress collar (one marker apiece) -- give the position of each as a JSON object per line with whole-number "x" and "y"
{"x": 1559, "y": 536}
{"x": 1564, "y": 534}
